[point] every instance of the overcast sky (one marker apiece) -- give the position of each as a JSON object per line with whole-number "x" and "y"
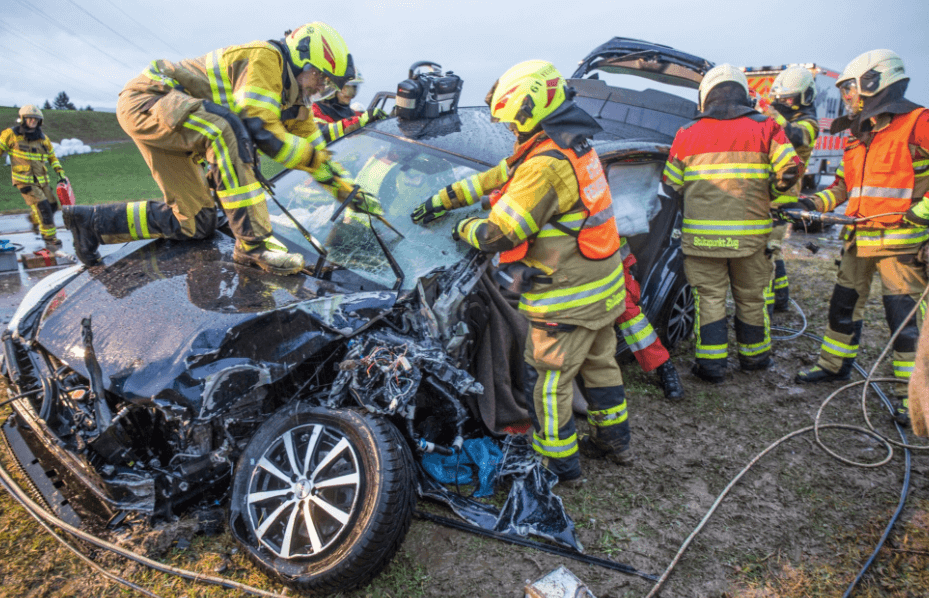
{"x": 92, "y": 48}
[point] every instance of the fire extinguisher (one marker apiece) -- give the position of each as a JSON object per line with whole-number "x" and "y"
{"x": 65, "y": 192}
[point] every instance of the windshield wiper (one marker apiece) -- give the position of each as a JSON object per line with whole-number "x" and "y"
{"x": 398, "y": 272}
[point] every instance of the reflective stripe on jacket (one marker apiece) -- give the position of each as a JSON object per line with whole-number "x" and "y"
{"x": 571, "y": 288}
{"x": 333, "y": 128}
{"x": 28, "y": 157}
{"x": 728, "y": 172}
{"x": 249, "y": 80}
{"x": 890, "y": 174}
{"x": 592, "y": 223}
{"x": 801, "y": 130}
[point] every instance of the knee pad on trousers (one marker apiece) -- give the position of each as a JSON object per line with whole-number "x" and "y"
{"x": 45, "y": 212}
{"x": 896, "y": 309}
{"x": 530, "y": 378}
{"x": 842, "y": 308}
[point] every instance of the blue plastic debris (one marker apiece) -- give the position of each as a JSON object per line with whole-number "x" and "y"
{"x": 481, "y": 454}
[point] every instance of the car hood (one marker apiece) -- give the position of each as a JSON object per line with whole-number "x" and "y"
{"x": 172, "y": 320}
{"x": 625, "y": 56}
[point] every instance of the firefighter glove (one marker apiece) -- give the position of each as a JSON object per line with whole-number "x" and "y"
{"x": 913, "y": 218}
{"x": 802, "y": 203}
{"x": 62, "y": 180}
{"x": 459, "y": 230}
{"x": 372, "y": 115}
{"x": 431, "y": 209}
{"x": 807, "y": 203}
{"x": 367, "y": 203}
{"x": 318, "y": 158}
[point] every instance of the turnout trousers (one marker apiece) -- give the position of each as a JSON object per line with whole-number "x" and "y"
{"x": 778, "y": 292}
{"x": 42, "y": 203}
{"x": 902, "y": 282}
{"x": 174, "y": 133}
{"x": 554, "y": 356}
{"x": 711, "y": 279}
{"x": 637, "y": 331}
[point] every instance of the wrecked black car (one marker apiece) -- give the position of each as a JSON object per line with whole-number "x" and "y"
{"x": 170, "y": 377}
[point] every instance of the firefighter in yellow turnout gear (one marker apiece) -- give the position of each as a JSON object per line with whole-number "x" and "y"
{"x": 217, "y": 107}
{"x": 554, "y": 228}
{"x": 29, "y": 149}
{"x": 792, "y": 95}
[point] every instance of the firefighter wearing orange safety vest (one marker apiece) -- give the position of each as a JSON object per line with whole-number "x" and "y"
{"x": 335, "y": 116}
{"x": 792, "y": 94}
{"x": 884, "y": 176}
{"x": 554, "y": 229}
{"x": 219, "y": 107}
{"x": 29, "y": 150}
{"x": 728, "y": 166}
{"x": 637, "y": 331}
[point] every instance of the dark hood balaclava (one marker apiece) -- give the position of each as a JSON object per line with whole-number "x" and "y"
{"x": 726, "y": 101}
{"x": 889, "y": 100}
{"x": 30, "y": 134}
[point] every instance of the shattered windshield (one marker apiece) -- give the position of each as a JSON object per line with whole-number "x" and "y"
{"x": 401, "y": 175}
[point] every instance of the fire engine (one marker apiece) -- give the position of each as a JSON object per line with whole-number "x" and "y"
{"x": 827, "y": 155}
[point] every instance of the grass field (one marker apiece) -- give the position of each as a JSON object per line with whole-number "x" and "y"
{"x": 89, "y": 127}
{"x": 115, "y": 173}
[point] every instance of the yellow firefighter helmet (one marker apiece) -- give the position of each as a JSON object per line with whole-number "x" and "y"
{"x": 320, "y": 46}
{"x": 526, "y": 94}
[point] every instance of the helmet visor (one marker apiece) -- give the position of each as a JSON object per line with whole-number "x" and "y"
{"x": 850, "y": 96}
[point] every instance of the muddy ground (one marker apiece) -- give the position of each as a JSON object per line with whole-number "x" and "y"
{"x": 799, "y": 524}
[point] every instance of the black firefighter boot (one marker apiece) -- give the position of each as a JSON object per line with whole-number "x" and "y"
{"x": 609, "y": 423}
{"x": 669, "y": 381}
{"x": 80, "y": 221}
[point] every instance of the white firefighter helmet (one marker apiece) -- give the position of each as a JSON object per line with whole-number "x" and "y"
{"x": 794, "y": 87}
{"x": 868, "y": 75}
{"x": 723, "y": 73}
{"x": 30, "y": 111}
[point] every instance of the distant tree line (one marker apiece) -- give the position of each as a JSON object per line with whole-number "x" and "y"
{"x": 63, "y": 102}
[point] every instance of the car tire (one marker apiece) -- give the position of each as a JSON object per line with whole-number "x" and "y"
{"x": 358, "y": 523}
{"x": 676, "y": 322}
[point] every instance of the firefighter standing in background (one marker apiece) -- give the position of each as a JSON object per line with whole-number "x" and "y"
{"x": 554, "y": 228}
{"x": 792, "y": 95}
{"x": 335, "y": 116}
{"x": 637, "y": 331}
{"x": 29, "y": 149}
{"x": 215, "y": 106}
{"x": 885, "y": 169}
{"x": 727, "y": 166}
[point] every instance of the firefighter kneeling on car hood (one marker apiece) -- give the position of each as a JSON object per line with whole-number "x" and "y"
{"x": 554, "y": 229}
{"x": 215, "y": 107}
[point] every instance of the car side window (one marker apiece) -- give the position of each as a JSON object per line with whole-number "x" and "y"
{"x": 634, "y": 187}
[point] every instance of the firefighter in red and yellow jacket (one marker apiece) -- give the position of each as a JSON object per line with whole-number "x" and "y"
{"x": 637, "y": 331}
{"x": 29, "y": 150}
{"x": 219, "y": 107}
{"x": 554, "y": 229}
{"x": 792, "y": 94}
{"x": 884, "y": 176}
{"x": 335, "y": 116}
{"x": 727, "y": 166}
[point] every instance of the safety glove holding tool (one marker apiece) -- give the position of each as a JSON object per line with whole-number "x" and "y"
{"x": 431, "y": 209}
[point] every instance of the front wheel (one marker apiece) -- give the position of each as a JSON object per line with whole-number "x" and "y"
{"x": 676, "y": 322}
{"x": 322, "y": 498}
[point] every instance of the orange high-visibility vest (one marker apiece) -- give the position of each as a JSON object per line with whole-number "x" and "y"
{"x": 597, "y": 237}
{"x": 880, "y": 177}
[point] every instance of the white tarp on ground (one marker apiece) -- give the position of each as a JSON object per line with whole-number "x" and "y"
{"x": 67, "y": 147}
